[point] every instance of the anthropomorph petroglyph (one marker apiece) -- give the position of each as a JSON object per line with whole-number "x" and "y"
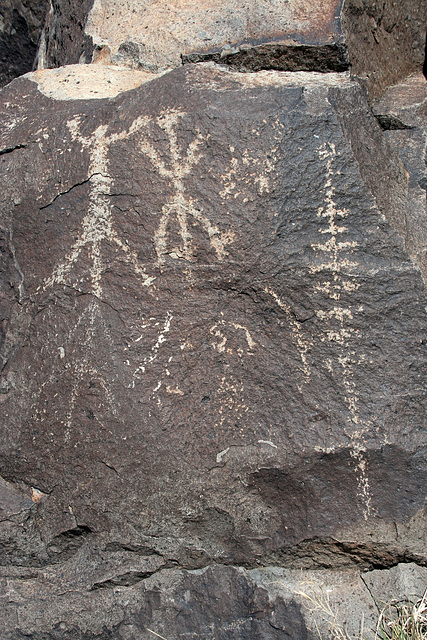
{"x": 180, "y": 205}
{"x": 97, "y": 225}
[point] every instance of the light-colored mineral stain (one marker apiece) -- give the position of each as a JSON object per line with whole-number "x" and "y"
{"x": 36, "y": 495}
{"x": 87, "y": 82}
{"x": 268, "y": 442}
{"x": 221, "y": 454}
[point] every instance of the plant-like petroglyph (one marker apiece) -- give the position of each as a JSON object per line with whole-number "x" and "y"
{"x": 97, "y": 225}
{"x": 181, "y": 206}
{"x": 339, "y": 320}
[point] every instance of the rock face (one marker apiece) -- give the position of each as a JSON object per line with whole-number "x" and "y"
{"x": 63, "y": 40}
{"x": 402, "y": 113}
{"x": 213, "y": 313}
{"x": 386, "y": 40}
{"x": 21, "y": 23}
{"x": 213, "y": 353}
{"x": 382, "y": 43}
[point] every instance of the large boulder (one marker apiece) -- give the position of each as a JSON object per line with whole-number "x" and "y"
{"x": 213, "y": 351}
{"x": 381, "y": 42}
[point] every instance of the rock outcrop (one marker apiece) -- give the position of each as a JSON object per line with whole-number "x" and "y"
{"x": 213, "y": 353}
{"x": 382, "y": 43}
{"x": 402, "y": 113}
{"x": 21, "y": 24}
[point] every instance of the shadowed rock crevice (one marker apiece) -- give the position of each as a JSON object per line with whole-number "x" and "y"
{"x": 333, "y": 554}
{"x": 18, "y": 146}
{"x": 391, "y": 123}
{"x": 67, "y": 543}
{"x": 127, "y": 579}
{"x": 21, "y": 26}
{"x": 280, "y": 57}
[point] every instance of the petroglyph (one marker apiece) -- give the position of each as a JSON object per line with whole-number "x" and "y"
{"x": 302, "y": 342}
{"x": 233, "y": 405}
{"x": 245, "y": 170}
{"x": 97, "y": 225}
{"x": 180, "y": 205}
{"x": 75, "y": 362}
{"x": 220, "y": 342}
{"x": 153, "y": 355}
{"x": 88, "y": 327}
{"x": 338, "y": 320}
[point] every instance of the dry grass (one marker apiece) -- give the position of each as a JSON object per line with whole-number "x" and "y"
{"x": 398, "y": 620}
{"x": 403, "y": 620}
{"x": 316, "y": 600}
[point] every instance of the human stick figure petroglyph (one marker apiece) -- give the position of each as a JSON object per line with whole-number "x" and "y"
{"x": 181, "y": 205}
{"x": 97, "y": 225}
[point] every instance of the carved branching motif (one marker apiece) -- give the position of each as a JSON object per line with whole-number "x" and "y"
{"x": 337, "y": 262}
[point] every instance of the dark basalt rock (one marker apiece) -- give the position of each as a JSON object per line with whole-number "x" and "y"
{"x": 406, "y": 103}
{"x": 282, "y": 57}
{"x": 213, "y": 351}
{"x": 385, "y": 40}
{"x": 22, "y": 24}
{"x": 64, "y": 40}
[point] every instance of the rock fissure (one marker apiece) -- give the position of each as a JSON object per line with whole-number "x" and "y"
{"x": 74, "y": 186}
{"x": 371, "y": 592}
{"x": 129, "y": 578}
{"x": 389, "y": 122}
{"x": 278, "y": 57}
{"x": 12, "y": 149}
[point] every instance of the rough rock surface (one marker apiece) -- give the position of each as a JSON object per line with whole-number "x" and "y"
{"x": 386, "y": 40}
{"x": 21, "y": 23}
{"x": 156, "y": 35}
{"x": 63, "y": 40}
{"x": 213, "y": 354}
{"x": 383, "y": 42}
{"x": 402, "y": 113}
